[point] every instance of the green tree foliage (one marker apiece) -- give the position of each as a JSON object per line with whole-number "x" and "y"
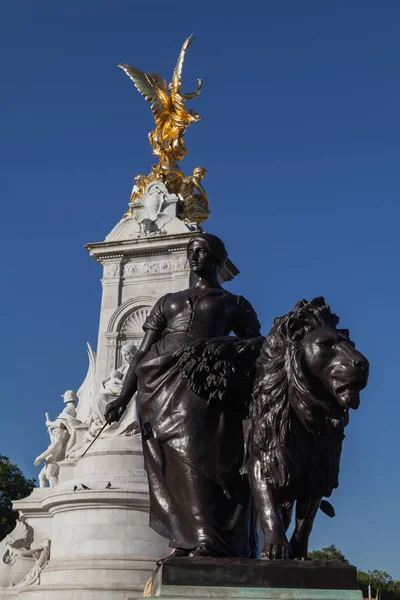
{"x": 329, "y": 553}
{"x": 392, "y": 591}
{"x": 13, "y": 486}
{"x": 382, "y": 584}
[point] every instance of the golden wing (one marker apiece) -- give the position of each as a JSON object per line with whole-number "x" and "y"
{"x": 152, "y": 88}
{"x": 177, "y": 76}
{"x": 177, "y": 98}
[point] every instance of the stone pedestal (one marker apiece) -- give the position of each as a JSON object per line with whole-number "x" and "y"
{"x": 101, "y": 544}
{"x": 201, "y": 578}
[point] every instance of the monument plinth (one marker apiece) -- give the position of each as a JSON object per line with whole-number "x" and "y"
{"x": 230, "y": 578}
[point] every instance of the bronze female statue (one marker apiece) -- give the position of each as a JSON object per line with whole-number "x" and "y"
{"x": 193, "y": 443}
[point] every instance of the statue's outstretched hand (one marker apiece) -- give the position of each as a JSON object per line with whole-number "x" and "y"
{"x": 38, "y": 460}
{"x": 114, "y": 410}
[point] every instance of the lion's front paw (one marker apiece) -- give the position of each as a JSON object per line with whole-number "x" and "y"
{"x": 275, "y": 550}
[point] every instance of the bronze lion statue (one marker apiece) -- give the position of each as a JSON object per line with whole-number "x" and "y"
{"x": 308, "y": 376}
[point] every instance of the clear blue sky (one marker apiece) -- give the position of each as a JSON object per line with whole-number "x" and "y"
{"x": 301, "y": 140}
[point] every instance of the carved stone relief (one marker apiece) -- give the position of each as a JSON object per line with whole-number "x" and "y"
{"x": 132, "y": 326}
{"x": 129, "y": 329}
{"x": 111, "y": 269}
{"x": 111, "y": 355}
{"x": 134, "y": 269}
{"x": 20, "y": 537}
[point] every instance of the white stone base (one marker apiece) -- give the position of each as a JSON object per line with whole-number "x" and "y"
{"x": 101, "y": 543}
{"x": 9, "y": 594}
{"x": 78, "y": 593}
{"x": 11, "y": 575}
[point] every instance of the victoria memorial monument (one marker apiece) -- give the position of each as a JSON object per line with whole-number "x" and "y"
{"x": 176, "y": 468}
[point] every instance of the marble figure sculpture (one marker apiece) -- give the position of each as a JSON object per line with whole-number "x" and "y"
{"x": 62, "y": 434}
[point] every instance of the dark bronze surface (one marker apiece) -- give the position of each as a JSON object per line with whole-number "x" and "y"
{"x": 309, "y": 375}
{"x": 195, "y": 384}
{"x": 193, "y": 448}
{"x": 234, "y": 572}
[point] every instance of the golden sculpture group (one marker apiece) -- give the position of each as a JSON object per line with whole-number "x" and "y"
{"x": 172, "y": 119}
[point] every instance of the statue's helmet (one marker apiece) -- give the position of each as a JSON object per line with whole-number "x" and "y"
{"x": 69, "y": 396}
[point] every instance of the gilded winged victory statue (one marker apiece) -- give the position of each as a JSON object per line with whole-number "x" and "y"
{"x": 172, "y": 119}
{"x": 168, "y": 106}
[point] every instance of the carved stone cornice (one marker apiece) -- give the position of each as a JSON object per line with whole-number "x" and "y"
{"x": 165, "y": 246}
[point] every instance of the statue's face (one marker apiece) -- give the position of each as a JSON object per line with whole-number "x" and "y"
{"x": 128, "y": 351}
{"x": 127, "y": 357}
{"x": 334, "y": 361}
{"x": 199, "y": 173}
{"x": 201, "y": 261}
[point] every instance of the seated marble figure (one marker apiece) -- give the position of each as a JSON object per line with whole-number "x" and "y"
{"x": 111, "y": 387}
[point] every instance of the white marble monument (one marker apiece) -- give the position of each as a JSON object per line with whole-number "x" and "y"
{"x": 86, "y": 535}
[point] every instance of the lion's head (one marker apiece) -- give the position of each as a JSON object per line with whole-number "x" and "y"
{"x": 309, "y": 375}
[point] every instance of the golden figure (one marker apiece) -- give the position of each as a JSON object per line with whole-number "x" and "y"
{"x": 172, "y": 120}
{"x": 168, "y": 106}
{"x": 141, "y": 182}
{"x": 195, "y": 205}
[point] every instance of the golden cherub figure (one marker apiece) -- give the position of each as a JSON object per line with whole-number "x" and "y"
{"x": 168, "y": 106}
{"x": 195, "y": 205}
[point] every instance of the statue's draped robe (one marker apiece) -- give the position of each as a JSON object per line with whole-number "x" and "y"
{"x": 69, "y": 421}
{"x": 193, "y": 449}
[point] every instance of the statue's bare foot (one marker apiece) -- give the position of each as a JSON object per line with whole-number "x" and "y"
{"x": 275, "y": 547}
{"x": 176, "y": 553}
{"x": 208, "y": 549}
{"x": 298, "y": 550}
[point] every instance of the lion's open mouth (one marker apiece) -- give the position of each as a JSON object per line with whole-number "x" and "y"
{"x": 348, "y": 394}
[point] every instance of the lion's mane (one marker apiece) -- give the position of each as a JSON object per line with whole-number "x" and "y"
{"x": 297, "y": 442}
